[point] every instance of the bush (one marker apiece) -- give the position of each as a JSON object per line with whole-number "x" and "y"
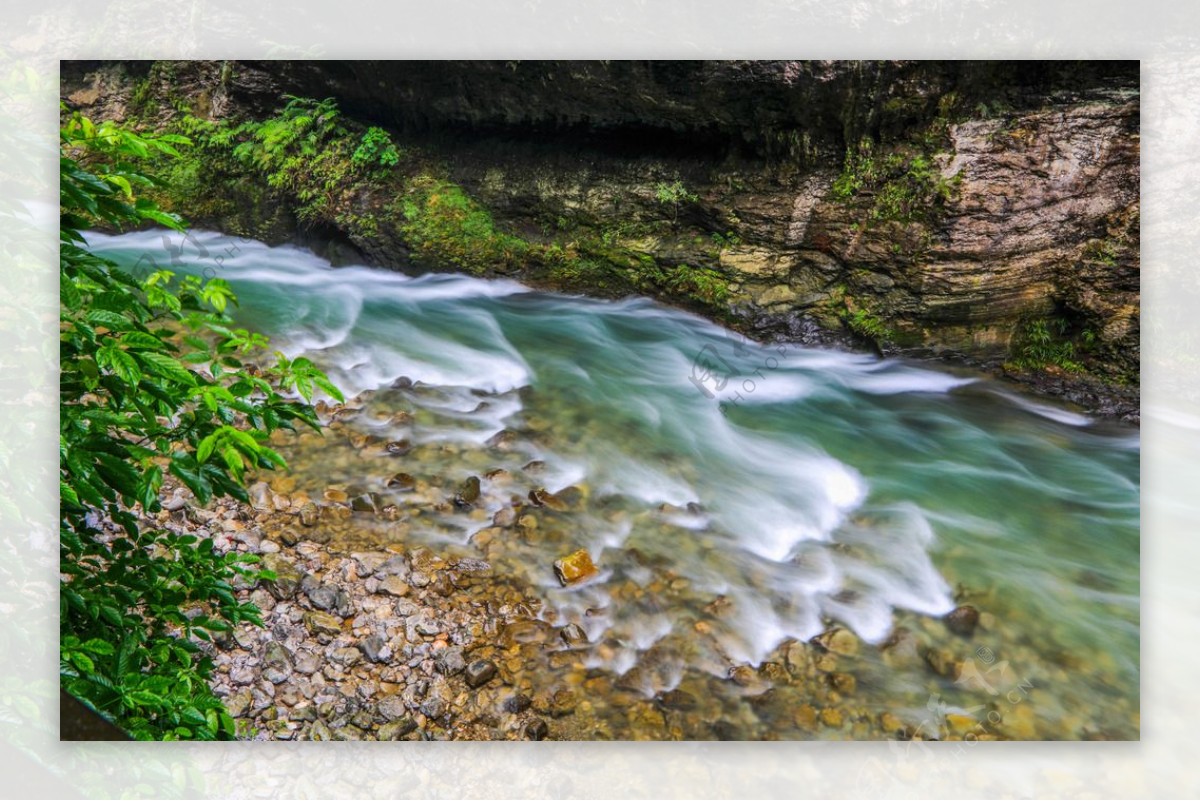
{"x": 152, "y": 383}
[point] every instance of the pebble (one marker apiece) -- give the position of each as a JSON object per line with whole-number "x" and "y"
{"x": 573, "y": 635}
{"x": 450, "y": 661}
{"x": 838, "y": 641}
{"x": 536, "y": 729}
{"x": 574, "y": 568}
{"x": 394, "y": 586}
{"x": 831, "y": 717}
{"x": 322, "y": 623}
{"x": 963, "y": 620}
{"x": 480, "y": 672}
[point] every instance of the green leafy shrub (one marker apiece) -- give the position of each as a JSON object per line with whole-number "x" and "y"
{"x": 376, "y": 150}
{"x": 153, "y": 383}
{"x": 904, "y": 185}
{"x": 1044, "y": 343}
{"x": 673, "y": 194}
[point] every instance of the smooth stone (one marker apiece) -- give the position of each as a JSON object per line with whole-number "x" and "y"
{"x": 394, "y": 586}
{"x": 838, "y": 641}
{"x": 238, "y": 704}
{"x": 678, "y": 699}
{"x": 396, "y": 729}
{"x": 505, "y": 517}
{"x": 516, "y": 704}
{"x": 336, "y": 495}
{"x": 536, "y": 730}
{"x": 540, "y": 497}
{"x": 480, "y": 672}
{"x": 319, "y": 731}
{"x": 963, "y": 620}
{"x": 322, "y": 623}
{"x": 573, "y": 635}
{"x": 260, "y": 497}
{"x": 401, "y": 481}
{"x": 574, "y": 568}
{"x": 287, "y": 577}
{"x": 346, "y": 656}
{"x": 469, "y": 490}
{"x": 363, "y": 503}
{"x": 831, "y": 717}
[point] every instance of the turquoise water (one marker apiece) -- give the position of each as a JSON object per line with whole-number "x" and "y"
{"x": 800, "y": 486}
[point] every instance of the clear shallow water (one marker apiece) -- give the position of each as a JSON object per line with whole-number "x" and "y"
{"x": 735, "y": 496}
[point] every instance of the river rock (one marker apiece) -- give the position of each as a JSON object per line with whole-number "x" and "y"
{"x": 573, "y": 635}
{"x": 963, "y": 620}
{"x": 480, "y": 672}
{"x": 307, "y": 663}
{"x": 277, "y": 663}
{"x": 322, "y": 596}
{"x": 505, "y": 517}
{"x": 374, "y": 648}
{"x": 346, "y": 657}
{"x": 943, "y": 663}
{"x": 450, "y": 661}
{"x": 540, "y": 497}
{"x": 394, "y": 586}
{"x": 334, "y": 495}
{"x": 309, "y": 514}
{"x": 678, "y": 700}
{"x": 832, "y": 717}
{"x": 364, "y": 503}
{"x": 238, "y": 704}
{"x": 517, "y": 703}
{"x": 398, "y": 447}
{"x": 838, "y": 641}
{"x": 368, "y": 562}
{"x": 287, "y": 577}
{"x": 322, "y": 623}
{"x": 469, "y": 490}
{"x": 536, "y": 729}
{"x": 574, "y": 568}
{"x": 260, "y": 496}
{"x": 396, "y": 729}
{"x": 402, "y": 482}
{"x": 320, "y": 732}
{"x": 844, "y": 683}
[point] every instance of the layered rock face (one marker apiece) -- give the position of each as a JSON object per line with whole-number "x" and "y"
{"x": 962, "y": 208}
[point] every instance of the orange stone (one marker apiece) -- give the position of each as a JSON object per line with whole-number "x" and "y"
{"x": 574, "y": 568}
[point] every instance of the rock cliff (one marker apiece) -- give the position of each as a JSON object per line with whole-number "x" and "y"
{"x": 985, "y": 211}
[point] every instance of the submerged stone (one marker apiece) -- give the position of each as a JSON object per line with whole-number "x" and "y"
{"x": 575, "y": 568}
{"x": 402, "y": 482}
{"x": 963, "y": 620}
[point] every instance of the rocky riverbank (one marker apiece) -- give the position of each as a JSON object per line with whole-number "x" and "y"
{"x": 371, "y": 633}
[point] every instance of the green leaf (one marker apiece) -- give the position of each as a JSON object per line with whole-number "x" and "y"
{"x": 109, "y": 319}
{"x": 166, "y": 366}
{"x": 101, "y": 647}
{"x": 119, "y": 363}
{"x": 68, "y": 294}
{"x": 140, "y": 340}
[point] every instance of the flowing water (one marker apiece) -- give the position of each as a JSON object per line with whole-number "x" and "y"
{"x": 736, "y": 497}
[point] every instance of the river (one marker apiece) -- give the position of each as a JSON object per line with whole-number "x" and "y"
{"x": 734, "y": 496}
